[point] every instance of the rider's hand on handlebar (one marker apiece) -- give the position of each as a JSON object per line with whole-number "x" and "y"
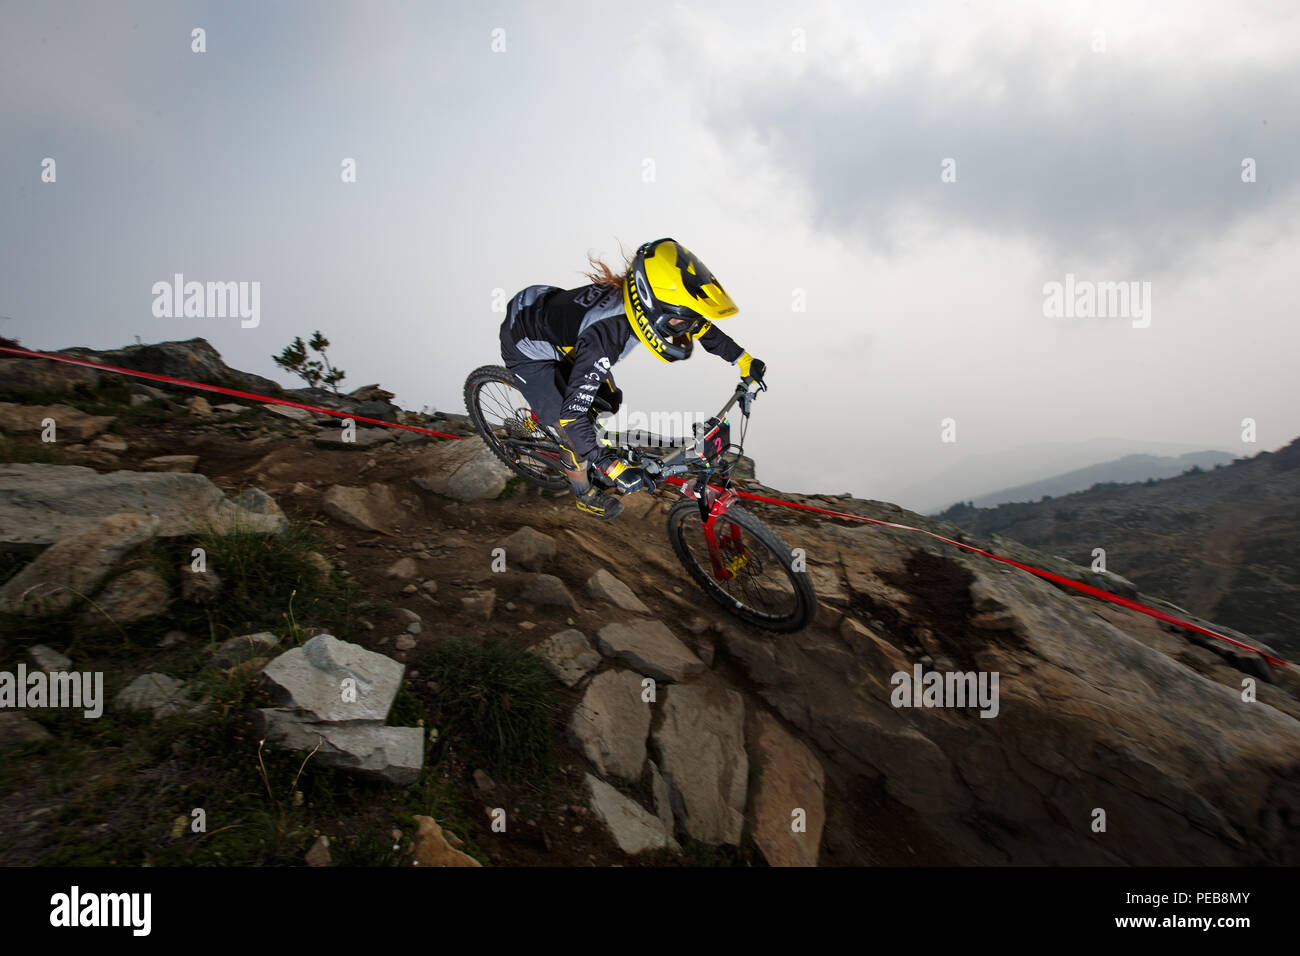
{"x": 630, "y": 478}
{"x": 751, "y": 369}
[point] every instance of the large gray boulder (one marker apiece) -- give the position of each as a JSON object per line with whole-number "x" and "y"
{"x": 466, "y": 470}
{"x": 1096, "y": 708}
{"x": 546, "y": 590}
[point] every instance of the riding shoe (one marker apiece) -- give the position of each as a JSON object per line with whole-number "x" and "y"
{"x": 602, "y": 506}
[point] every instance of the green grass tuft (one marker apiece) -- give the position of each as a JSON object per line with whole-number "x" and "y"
{"x": 498, "y": 704}
{"x": 268, "y": 582}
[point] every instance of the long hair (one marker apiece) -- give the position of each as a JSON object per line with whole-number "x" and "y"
{"x": 602, "y": 274}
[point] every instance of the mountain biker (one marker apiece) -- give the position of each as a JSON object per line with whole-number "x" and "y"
{"x": 559, "y": 346}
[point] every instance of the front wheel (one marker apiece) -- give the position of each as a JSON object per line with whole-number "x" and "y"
{"x": 758, "y": 583}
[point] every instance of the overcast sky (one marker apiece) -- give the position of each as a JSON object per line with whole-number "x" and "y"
{"x": 799, "y": 150}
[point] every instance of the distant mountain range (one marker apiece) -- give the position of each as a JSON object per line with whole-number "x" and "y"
{"x": 982, "y": 476}
{"x": 1223, "y": 543}
{"x": 1130, "y": 468}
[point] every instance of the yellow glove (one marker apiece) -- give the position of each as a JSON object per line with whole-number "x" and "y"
{"x": 751, "y": 369}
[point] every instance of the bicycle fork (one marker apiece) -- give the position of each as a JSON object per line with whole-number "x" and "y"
{"x": 727, "y": 555}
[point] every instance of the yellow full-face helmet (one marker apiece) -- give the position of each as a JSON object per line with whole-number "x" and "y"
{"x": 671, "y": 298}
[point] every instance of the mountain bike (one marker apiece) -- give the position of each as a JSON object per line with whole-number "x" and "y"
{"x": 736, "y": 559}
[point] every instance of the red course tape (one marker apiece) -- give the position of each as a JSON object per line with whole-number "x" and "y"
{"x": 1046, "y": 575}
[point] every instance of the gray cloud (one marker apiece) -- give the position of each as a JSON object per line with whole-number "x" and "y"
{"x": 1118, "y": 157}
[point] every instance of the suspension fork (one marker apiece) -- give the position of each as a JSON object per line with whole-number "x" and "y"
{"x": 714, "y": 503}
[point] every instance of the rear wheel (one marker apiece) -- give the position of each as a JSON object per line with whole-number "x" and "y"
{"x": 501, "y": 414}
{"x": 762, "y": 587}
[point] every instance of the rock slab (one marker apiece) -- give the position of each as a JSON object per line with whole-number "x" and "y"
{"x": 610, "y": 724}
{"x": 633, "y": 828}
{"x": 603, "y": 586}
{"x": 789, "y": 798}
{"x": 701, "y": 748}
{"x": 649, "y": 648}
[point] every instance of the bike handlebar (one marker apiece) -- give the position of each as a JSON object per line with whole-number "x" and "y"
{"x": 671, "y": 464}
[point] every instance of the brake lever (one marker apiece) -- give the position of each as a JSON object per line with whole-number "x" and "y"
{"x": 747, "y": 399}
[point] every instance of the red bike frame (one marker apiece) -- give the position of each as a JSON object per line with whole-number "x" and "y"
{"x": 716, "y": 503}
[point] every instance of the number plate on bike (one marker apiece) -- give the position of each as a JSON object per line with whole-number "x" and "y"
{"x": 714, "y": 439}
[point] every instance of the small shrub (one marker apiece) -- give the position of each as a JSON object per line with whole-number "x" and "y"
{"x": 312, "y": 371}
